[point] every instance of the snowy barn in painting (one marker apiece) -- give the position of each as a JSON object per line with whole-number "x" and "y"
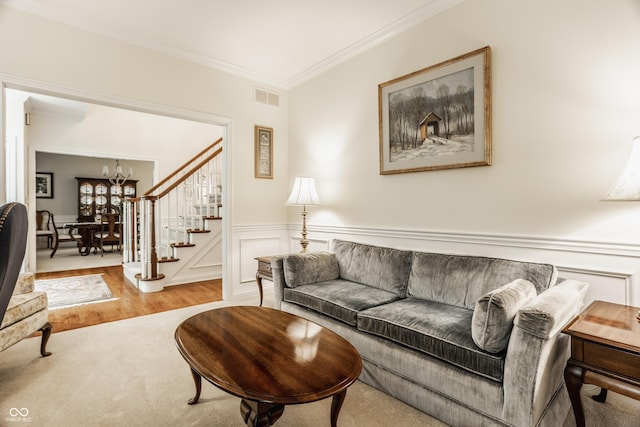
{"x": 429, "y": 126}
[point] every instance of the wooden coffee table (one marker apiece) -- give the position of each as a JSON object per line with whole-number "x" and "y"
{"x": 268, "y": 358}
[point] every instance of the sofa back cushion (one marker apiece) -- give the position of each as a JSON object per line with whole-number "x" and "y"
{"x": 461, "y": 280}
{"x": 383, "y": 268}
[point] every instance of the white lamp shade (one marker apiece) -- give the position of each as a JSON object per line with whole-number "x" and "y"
{"x": 627, "y": 186}
{"x": 303, "y": 193}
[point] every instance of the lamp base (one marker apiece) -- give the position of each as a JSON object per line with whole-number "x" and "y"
{"x": 304, "y": 242}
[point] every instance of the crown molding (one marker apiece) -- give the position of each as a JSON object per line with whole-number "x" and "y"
{"x": 421, "y": 14}
{"x": 399, "y": 26}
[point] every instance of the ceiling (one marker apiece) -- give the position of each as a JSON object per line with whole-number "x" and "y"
{"x": 278, "y": 42}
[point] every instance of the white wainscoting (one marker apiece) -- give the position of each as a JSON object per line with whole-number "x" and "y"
{"x": 612, "y": 269}
{"x": 248, "y": 243}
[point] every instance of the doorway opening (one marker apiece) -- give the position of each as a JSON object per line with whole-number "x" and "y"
{"x": 60, "y": 110}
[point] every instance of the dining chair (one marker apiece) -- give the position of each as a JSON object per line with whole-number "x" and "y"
{"x": 44, "y": 227}
{"x": 62, "y": 235}
{"x": 110, "y": 233}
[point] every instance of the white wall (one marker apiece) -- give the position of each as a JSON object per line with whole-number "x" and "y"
{"x": 117, "y": 133}
{"x": 565, "y": 109}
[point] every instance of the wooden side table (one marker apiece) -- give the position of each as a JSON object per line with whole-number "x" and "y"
{"x": 264, "y": 272}
{"x": 605, "y": 351}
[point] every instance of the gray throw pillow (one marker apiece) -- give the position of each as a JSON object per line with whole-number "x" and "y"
{"x": 302, "y": 269}
{"x": 494, "y": 313}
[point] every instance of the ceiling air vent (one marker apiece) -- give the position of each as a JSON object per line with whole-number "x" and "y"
{"x": 265, "y": 97}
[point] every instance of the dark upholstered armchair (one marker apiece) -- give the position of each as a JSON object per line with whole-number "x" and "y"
{"x": 23, "y": 311}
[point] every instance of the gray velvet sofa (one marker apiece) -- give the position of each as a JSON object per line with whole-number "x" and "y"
{"x": 472, "y": 341}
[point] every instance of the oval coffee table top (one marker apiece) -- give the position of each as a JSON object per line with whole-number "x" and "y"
{"x": 267, "y": 355}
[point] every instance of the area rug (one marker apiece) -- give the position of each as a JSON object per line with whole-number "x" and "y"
{"x": 76, "y": 290}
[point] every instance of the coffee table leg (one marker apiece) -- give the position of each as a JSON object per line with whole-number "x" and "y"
{"x": 336, "y": 405}
{"x": 198, "y": 380}
{"x": 260, "y": 414}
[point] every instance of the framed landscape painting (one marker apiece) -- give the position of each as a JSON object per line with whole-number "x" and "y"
{"x": 438, "y": 117}
{"x": 44, "y": 185}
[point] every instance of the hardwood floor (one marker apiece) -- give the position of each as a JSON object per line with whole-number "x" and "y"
{"x": 131, "y": 302}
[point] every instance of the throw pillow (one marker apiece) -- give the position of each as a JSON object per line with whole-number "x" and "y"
{"x": 302, "y": 269}
{"x": 494, "y": 313}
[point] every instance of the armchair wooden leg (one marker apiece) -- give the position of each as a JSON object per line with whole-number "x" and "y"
{"x": 46, "y": 333}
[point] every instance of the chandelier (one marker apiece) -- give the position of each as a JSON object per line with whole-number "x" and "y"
{"x": 117, "y": 177}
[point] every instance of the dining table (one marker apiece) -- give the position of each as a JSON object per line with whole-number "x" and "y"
{"x": 87, "y": 232}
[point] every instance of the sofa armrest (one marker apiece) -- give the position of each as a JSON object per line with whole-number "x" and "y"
{"x": 538, "y": 351}
{"x": 311, "y": 267}
{"x": 25, "y": 284}
{"x": 278, "y": 281}
{"x": 294, "y": 270}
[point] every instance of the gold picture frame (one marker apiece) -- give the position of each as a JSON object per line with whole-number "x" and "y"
{"x": 438, "y": 117}
{"x": 263, "y": 152}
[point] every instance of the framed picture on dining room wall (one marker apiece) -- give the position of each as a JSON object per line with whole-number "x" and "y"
{"x": 44, "y": 185}
{"x": 263, "y": 152}
{"x": 438, "y": 117}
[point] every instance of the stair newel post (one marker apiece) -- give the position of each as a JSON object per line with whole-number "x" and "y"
{"x": 154, "y": 254}
{"x": 148, "y": 257}
{"x": 127, "y": 230}
{"x": 144, "y": 238}
{"x": 149, "y": 280}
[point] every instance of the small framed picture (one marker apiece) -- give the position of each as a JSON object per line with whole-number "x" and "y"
{"x": 44, "y": 185}
{"x": 264, "y": 152}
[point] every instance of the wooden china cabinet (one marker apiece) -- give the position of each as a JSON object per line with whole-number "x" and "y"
{"x": 97, "y": 196}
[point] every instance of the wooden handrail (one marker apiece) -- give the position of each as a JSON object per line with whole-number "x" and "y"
{"x": 187, "y": 163}
{"x": 185, "y": 177}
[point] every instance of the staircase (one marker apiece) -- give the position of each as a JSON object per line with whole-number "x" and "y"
{"x": 173, "y": 233}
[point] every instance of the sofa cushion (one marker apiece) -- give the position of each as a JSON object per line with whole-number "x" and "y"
{"x": 461, "y": 280}
{"x": 440, "y": 330}
{"x": 493, "y": 315}
{"x": 301, "y": 269}
{"x": 340, "y": 299}
{"x": 383, "y": 268}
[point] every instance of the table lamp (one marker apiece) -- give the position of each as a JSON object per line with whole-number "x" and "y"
{"x": 627, "y": 186}
{"x": 304, "y": 194}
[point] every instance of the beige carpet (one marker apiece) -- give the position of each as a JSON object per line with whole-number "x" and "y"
{"x": 129, "y": 373}
{"x": 68, "y": 258}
